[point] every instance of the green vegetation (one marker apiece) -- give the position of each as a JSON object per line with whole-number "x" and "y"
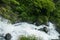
{"x": 55, "y": 15}
{"x": 28, "y": 38}
{"x": 31, "y": 11}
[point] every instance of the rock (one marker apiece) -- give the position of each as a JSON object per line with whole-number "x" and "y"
{"x": 58, "y": 29}
{"x": 43, "y": 29}
{"x": 8, "y": 36}
{"x": 37, "y": 23}
{"x": 59, "y": 36}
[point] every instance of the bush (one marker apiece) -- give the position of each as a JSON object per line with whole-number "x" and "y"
{"x": 30, "y": 10}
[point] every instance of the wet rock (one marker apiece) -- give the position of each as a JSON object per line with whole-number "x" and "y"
{"x": 43, "y": 29}
{"x": 8, "y": 36}
{"x": 37, "y": 23}
{"x": 58, "y": 29}
{"x": 59, "y": 36}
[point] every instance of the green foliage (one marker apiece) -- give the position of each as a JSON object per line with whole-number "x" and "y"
{"x": 7, "y": 13}
{"x": 28, "y": 38}
{"x": 30, "y": 10}
{"x": 55, "y": 15}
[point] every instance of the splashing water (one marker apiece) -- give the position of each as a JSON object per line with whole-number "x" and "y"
{"x": 24, "y": 28}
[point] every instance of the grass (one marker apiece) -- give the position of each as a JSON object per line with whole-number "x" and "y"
{"x": 29, "y": 38}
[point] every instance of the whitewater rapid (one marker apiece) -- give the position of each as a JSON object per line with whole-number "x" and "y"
{"x": 26, "y": 29}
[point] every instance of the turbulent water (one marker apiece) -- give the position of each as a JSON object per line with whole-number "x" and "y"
{"x": 26, "y": 29}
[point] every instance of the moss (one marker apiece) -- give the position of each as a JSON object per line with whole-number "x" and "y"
{"x": 43, "y": 19}
{"x": 28, "y": 38}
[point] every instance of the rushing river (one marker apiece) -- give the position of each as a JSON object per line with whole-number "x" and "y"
{"x": 26, "y": 29}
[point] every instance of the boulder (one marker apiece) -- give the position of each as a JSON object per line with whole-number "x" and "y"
{"x": 8, "y": 36}
{"x": 43, "y": 29}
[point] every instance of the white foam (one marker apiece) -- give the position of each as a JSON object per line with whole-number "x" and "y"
{"x": 28, "y": 29}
